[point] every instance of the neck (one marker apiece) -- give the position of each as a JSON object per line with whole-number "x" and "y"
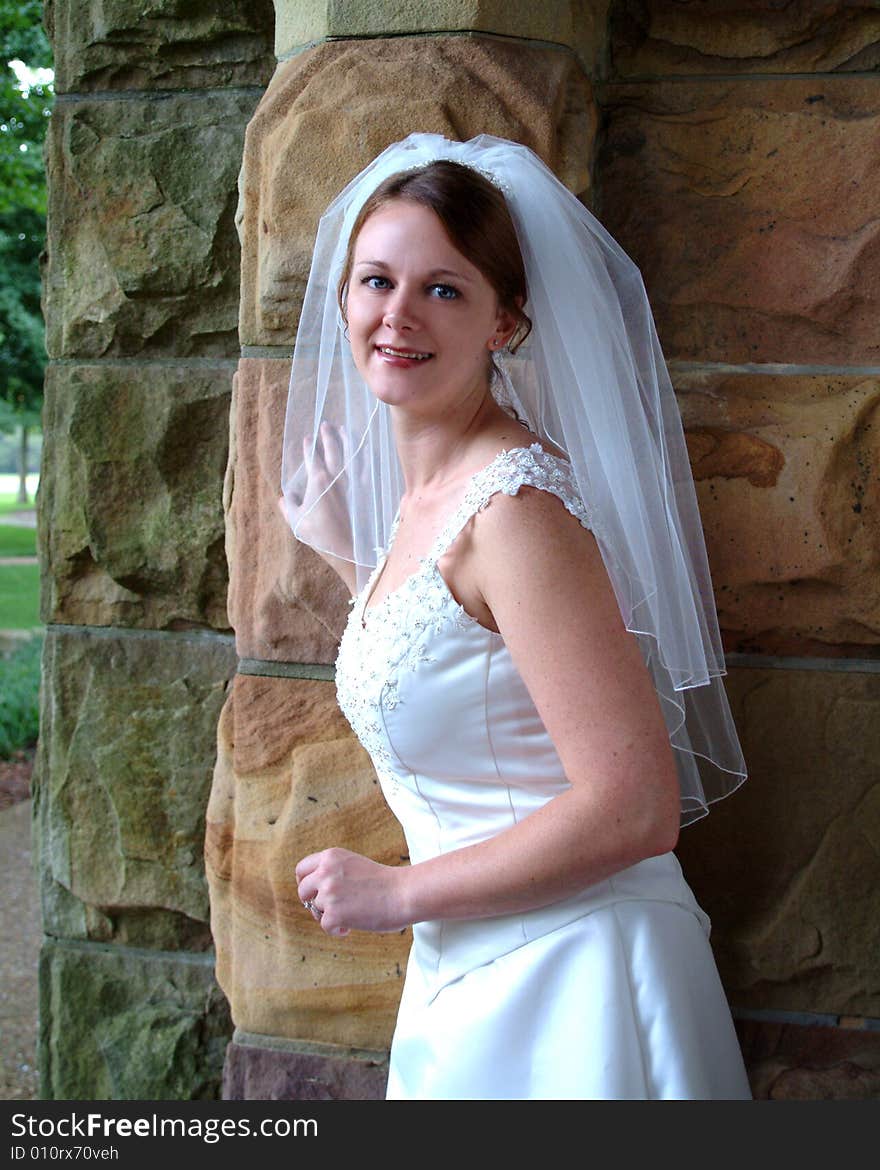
{"x": 431, "y": 450}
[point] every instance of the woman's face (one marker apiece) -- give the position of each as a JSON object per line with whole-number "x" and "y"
{"x": 421, "y": 318}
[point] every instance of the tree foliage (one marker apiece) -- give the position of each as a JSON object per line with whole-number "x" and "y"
{"x": 24, "y": 116}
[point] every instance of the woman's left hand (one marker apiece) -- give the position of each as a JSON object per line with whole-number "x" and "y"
{"x": 346, "y": 891}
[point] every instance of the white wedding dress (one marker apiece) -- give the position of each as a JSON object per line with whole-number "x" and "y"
{"x": 612, "y": 993}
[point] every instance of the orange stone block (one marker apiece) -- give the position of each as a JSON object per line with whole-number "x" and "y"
{"x": 330, "y": 110}
{"x": 783, "y": 467}
{"x": 743, "y": 36}
{"x": 751, "y": 208}
{"x": 291, "y": 780}
{"x": 788, "y": 867}
{"x": 285, "y": 604}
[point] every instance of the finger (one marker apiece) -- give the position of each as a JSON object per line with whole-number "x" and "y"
{"x": 329, "y": 926}
{"x": 331, "y": 439}
{"x": 307, "y": 865}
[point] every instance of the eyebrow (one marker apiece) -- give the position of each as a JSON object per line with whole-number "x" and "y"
{"x": 433, "y": 275}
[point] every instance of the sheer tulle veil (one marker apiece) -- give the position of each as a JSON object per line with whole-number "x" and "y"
{"x": 591, "y": 379}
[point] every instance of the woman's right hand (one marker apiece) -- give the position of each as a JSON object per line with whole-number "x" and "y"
{"x": 324, "y": 458}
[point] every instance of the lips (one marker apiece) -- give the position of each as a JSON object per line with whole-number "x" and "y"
{"x": 412, "y": 355}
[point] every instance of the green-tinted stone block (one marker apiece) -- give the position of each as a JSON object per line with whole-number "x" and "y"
{"x": 143, "y": 255}
{"x": 126, "y": 756}
{"x": 127, "y": 44}
{"x": 577, "y": 24}
{"x": 130, "y": 505}
{"x": 120, "y": 1024}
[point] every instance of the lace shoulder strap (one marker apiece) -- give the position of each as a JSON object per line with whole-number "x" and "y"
{"x": 508, "y": 472}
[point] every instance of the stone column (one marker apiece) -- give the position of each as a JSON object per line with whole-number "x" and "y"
{"x": 737, "y": 163}
{"x": 753, "y": 144}
{"x": 141, "y": 297}
{"x": 314, "y": 1015}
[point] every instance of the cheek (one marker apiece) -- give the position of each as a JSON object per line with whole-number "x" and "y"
{"x": 359, "y": 320}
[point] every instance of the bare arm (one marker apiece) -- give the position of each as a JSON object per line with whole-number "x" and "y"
{"x": 542, "y": 577}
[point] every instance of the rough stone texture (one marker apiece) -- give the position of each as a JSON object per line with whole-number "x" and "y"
{"x": 128, "y": 1025}
{"x": 787, "y": 867}
{"x": 331, "y": 109}
{"x": 143, "y": 257}
{"x": 755, "y": 224}
{"x": 285, "y": 603}
{"x": 129, "y": 44}
{"x": 290, "y": 780}
{"x": 791, "y": 1062}
{"x": 579, "y": 24}
{"x": 743, "y": 36}
{"x": 789, "y": 494}
{"x": 130, "y": 504}
{"x": 126, "y": 751}
{"x": 253, "y": 1072}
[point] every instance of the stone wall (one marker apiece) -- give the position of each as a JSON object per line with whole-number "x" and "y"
{"x": 732, "y": 151}
{"x": 314, "y": 1016}
{"x": 141, "y": 298}
{"x": 744, "y": 190}
{"x": 751, "y": 138}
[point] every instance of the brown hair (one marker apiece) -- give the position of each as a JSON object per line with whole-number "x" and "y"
{"x": 476, "y": 219}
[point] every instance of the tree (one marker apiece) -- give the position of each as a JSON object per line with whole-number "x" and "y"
{"x": 24, "y": 114}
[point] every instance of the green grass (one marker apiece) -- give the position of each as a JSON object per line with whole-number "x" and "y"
{"x": 19, "y": 597}
{"x": 16, "y": 541}
{"x": 10, "y": 504}
{"x": 9, "y": 494}
{"x": 19, "y": 697}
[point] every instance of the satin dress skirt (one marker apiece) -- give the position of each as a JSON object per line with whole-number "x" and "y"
{"x": 621, "y": 1002}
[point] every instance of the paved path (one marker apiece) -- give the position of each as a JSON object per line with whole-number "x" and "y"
{"x": 20, "y": 937}
{"x": 20, "y": 926}
{"x": 20, "y": 519}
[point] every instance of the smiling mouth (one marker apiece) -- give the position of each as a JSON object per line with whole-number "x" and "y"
{"x": 411, "y": 354}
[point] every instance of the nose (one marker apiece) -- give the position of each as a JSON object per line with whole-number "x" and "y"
{"x": 399, "y": 311}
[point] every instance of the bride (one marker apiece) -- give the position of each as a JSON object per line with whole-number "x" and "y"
{"x": 532, "y": 657}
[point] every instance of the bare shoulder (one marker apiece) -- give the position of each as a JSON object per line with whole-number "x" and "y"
{"x": 525, "y": 542}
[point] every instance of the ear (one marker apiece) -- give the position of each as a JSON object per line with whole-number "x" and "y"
{"x": 505, "y": 326}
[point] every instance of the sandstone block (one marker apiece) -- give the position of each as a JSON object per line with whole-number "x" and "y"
{"x": 783, "y": 466}
{"x": 130, "y": 507}
{"x": 254, "y": 1072}
{"x": 285, "y": 603}
{"x": 143, "y": 256}
{"x": 127, "y": 746}
{"x": 124, "y": 44}
{"x": 579, "y": 24}
{"x": 750, "y": 208}
{"x": 331, "y": 109}
{"x": 128, "y": 1026}
{"x": 791, "y": 1062}
{"x": 291, "y": 780}
{"x": 741, "y": 36}
{"x": 787, "y": 868}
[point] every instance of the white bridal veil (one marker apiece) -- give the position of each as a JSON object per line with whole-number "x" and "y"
{"x": 590, "y": 378}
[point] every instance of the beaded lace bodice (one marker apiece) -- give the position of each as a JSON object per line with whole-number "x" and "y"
{"x": 385, "y": 643}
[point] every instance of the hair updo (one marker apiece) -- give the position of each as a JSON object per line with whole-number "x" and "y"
{"x": 477, "y": 220}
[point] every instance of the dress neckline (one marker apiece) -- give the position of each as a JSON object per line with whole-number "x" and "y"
{"x": 436, "y": 549}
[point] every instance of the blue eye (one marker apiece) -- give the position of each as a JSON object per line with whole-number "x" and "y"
{"x": 377, "y": 282}
{"x": 445, "y": 292}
